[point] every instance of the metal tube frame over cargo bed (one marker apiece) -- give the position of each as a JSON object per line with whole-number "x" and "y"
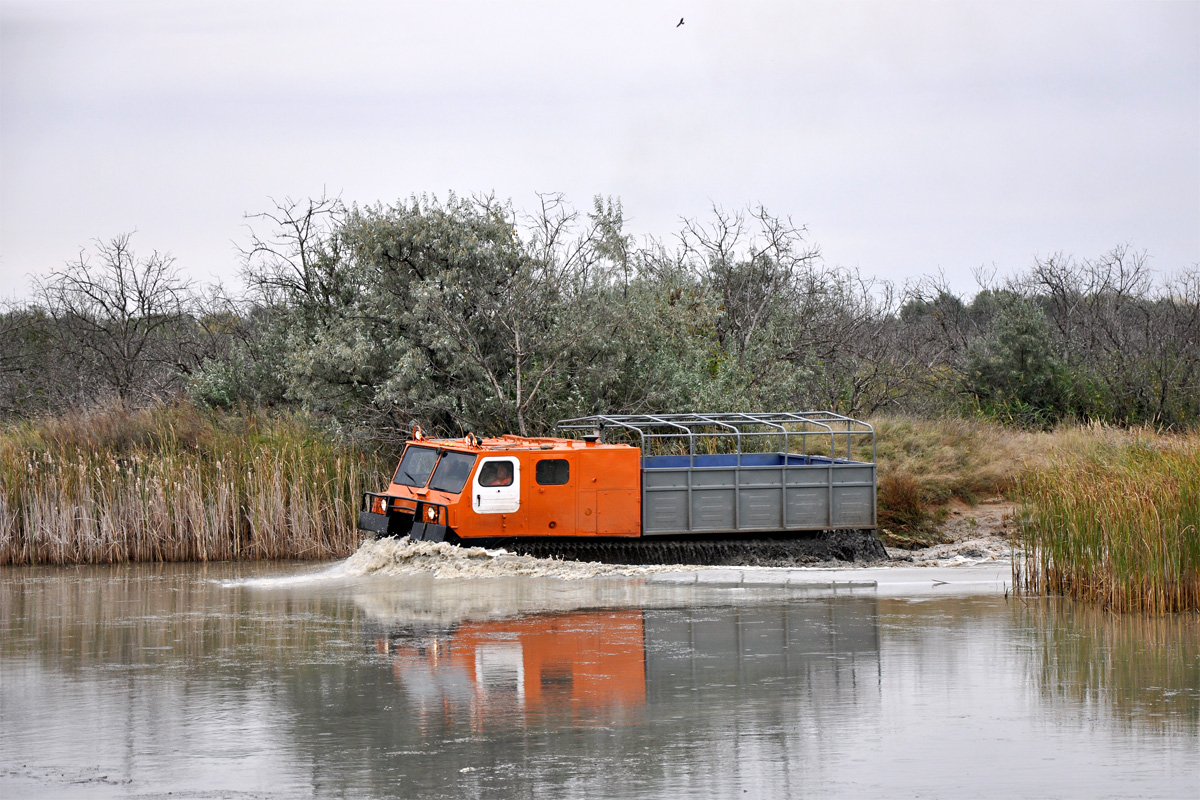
{"x": 740, "y": 472}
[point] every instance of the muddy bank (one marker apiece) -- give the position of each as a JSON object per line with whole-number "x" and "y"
{"x": 969, "y": 535}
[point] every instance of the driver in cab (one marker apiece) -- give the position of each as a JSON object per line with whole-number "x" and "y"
{"x": 496, "y": 473}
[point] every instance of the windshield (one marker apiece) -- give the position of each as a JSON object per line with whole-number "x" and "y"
{"x": 415, "y": 467}
{"x": 452, "y": 472}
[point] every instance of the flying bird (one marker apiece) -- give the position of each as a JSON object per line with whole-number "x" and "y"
{"x": 680, "y": 22}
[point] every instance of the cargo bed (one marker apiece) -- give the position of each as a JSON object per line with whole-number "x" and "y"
{"x": 714, "y": 473}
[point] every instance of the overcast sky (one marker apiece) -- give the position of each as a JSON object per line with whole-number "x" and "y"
{"x": 909, "y": 137}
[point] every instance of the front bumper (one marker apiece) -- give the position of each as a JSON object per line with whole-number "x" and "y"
{"x": 403, "y": 522}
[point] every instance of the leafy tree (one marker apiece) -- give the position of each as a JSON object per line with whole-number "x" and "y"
{"x": 1013, "y": 373}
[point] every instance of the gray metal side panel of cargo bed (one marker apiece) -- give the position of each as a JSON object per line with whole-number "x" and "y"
{"x": 681, "y": 500}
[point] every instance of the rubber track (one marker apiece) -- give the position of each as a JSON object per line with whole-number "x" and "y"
{"x": 766, "y": 552}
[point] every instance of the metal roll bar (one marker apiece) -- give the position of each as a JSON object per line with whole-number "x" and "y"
{"x": 734, "y": 426}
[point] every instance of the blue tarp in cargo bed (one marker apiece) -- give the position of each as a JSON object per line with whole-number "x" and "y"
{"x": 731, "y": 460}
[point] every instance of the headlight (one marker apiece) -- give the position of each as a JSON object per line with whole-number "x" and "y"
{"x": 431, "y": 513}
{"x": 379, "y": 505}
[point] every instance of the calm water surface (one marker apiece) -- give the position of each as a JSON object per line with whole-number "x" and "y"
{"x": 242, "y": 681}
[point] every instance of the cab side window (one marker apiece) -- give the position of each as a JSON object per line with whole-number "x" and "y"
{"x": 552, "y": 472}
{"x": 496, "y": 473}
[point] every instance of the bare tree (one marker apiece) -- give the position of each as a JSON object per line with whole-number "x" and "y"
{"x": 14, "y": 323}
{"x": 285, "y": 259}
{"x": 753, "y": 268}
{"x": 21, "y": 328}
{"x": 867, "y": 365}
{"x": 118, "y": 314}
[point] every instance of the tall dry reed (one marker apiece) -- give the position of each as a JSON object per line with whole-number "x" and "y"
{"x": 1114, "y": 520}
{"x": 174, "y": 483}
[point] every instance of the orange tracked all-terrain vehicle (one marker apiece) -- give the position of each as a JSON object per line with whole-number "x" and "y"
{"x": 696, "y": 488}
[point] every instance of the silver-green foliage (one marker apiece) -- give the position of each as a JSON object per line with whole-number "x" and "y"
{"x": 465, "y": 314}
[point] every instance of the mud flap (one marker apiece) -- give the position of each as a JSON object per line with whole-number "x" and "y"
{"x": 372, "y": 522}
{"x": 427, "y": 532}
{"x": 384, "y": 524}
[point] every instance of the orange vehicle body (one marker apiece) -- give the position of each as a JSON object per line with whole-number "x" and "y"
{"x": 559, "y": 488}
{"x": 689, "y": 479}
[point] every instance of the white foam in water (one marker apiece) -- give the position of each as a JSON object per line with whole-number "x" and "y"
{"x": 334, "y": 572}
{"x": 442, "y": 560}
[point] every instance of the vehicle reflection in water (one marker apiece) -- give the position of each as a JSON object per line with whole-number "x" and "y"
{"x": 603, "y": 666}
{"x": 587, "y": 665}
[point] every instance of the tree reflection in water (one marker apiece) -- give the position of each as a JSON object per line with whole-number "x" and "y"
{"x": 1144, "y": 669}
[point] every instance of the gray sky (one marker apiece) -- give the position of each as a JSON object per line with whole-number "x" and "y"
{"x": 910, "y": 137}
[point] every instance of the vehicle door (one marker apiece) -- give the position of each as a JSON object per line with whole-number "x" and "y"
{"x": 551, "y": 500}
{"x": 496, "y": 487}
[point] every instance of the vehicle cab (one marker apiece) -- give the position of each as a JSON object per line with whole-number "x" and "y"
{"x": 508, "y": 486}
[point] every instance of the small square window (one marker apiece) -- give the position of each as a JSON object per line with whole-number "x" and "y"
{"x": 553, "y": 472}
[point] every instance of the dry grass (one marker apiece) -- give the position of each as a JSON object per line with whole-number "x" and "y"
{"x": 173, "y": 483}
{"x": 925, "y": 464}
{"x": 955, "y": 458}
{"x": 1108, "y": 516}
{"x": 1114, "y": 519}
